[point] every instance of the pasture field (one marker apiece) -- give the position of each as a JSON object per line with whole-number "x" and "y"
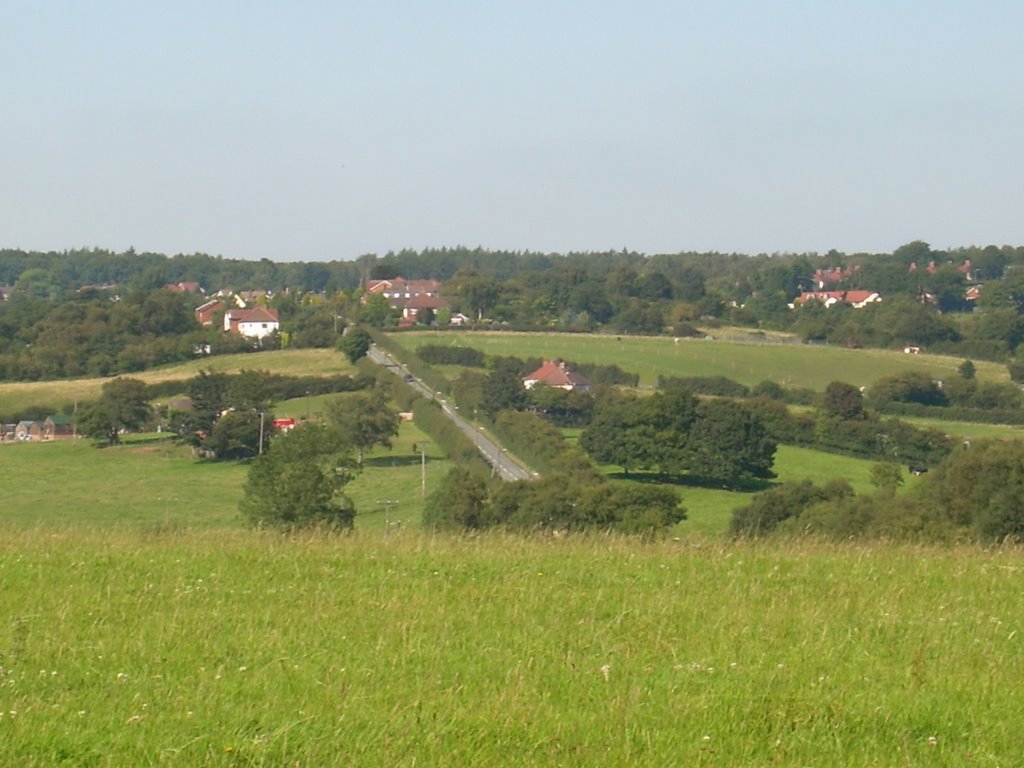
{"x": 798, "y": 365}
{"x": 242, "y": 648}
{"x": 17, "y": 396}
{"x": 151, "y": 484}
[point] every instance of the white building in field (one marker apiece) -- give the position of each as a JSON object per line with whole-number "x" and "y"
{"x": 256, "y": 323}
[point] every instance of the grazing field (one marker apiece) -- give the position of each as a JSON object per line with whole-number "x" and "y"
{"x": 152, "y": 484}
{"x": 18, "y": 396}
{"x": 235, "y": 647}
{"x": 798, "y": 365}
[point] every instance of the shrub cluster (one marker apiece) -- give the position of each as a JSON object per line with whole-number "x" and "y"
{"x": 976, "y": 494}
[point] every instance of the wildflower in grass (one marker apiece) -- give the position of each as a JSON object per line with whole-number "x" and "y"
{"x": 606, "y": 670}
{"x": 933, "y": 741}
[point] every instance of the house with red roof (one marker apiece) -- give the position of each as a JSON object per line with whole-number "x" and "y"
{"x": 398, "y": 288}
{"x": 555, "y": 373}
{"x": 256, "y": 323}
{"x": 418, "y": 304}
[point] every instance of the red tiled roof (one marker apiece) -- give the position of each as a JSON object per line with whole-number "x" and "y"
{"x": 553, "y": 373}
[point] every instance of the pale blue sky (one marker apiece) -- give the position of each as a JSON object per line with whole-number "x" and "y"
{"x": 321, "y": 130}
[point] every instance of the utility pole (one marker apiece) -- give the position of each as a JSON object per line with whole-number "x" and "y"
{"x": 388, "y": 504}
{"x": 261, "y": 433}
{"x": 423, "y": 467}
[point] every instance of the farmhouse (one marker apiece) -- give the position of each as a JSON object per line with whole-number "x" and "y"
{"x": 554, "y": 373}
{"x": 257, "y": 323}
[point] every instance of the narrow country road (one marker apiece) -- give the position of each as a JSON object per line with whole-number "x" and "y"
{"x": 494, "y": 454}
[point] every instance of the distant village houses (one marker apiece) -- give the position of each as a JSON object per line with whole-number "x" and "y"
{"x": 415, "y": 299}
{"x": 855, "y": 299}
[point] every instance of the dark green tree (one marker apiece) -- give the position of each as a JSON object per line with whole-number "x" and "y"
{"x": 503, "y": 389}
{"x": 298, "y": 482}
{"x": 729, "y": 444}
{"x": 123, "y": 405}
{"x": 238, "y": 434}
{"x": 843, "y": 401}
{"x": 363, "y": 420}
{"x": 208, "y": 391}
{"x": 355, "y": 344}
{"x": 459, "y": 503}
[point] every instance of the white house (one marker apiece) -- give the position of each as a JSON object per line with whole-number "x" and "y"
{"x": 256, "y": 323}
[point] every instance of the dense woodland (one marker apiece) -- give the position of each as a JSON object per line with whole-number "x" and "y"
{"x": 111, "y": 308}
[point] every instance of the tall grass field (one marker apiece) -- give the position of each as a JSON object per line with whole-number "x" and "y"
{"x": 241, "y": 648}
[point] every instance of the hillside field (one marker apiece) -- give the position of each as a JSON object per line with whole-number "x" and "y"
{"x": 241, "y": 648}
{"x": 797, "y": 365}
{"x": 16, "y": 396}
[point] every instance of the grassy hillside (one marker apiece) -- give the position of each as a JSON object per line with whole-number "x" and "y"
{"x": 234, "y": 648}
{"x": 789, "y": 364}
{"x": 17, "y": 396}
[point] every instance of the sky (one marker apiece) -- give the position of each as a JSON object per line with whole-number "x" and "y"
{"x": 315, "y": 130}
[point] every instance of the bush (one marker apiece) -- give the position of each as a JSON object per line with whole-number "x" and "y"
{"x": 769, "y": 509}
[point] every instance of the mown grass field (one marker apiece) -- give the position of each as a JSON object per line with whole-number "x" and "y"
{"x": 797, "y": 365}
{"x": 241, "y": 648}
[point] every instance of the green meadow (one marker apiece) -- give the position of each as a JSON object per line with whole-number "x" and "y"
{"x": 151, "y": 484}
{"x": 234, "y": 647}
{"x": 143, "y": 624}
{"x": 799, "y": 365}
